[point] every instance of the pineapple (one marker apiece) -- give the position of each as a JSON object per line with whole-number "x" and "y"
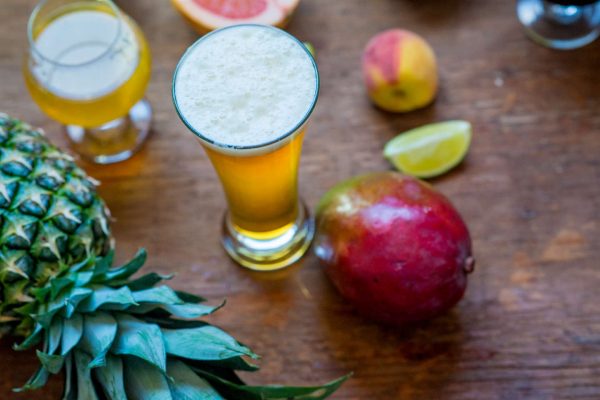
{"x": 114, "y": 336}
{"x": 51, "y": 218}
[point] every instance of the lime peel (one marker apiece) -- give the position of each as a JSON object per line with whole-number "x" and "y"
{"x": 430, "y": 150}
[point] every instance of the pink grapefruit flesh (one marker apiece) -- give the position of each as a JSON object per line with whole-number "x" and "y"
{"x": 207, "y": 15}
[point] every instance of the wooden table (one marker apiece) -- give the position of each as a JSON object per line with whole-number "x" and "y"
{"x": 529, "y": 325}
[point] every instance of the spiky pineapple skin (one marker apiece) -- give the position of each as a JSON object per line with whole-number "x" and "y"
{"x": 50, "y": 217}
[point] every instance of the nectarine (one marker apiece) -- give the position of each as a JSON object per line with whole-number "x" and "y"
{"x": 400, "y": 71}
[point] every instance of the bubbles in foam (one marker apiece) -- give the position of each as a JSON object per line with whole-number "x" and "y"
{"x": 245, "y": 86}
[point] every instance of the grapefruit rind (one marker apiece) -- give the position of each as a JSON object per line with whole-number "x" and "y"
{"x": 275, "y": 12}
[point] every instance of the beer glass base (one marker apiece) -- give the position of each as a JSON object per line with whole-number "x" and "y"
{"x": 558, "y": 26}
{"x": 274, "y": 253}
{"x": 116, "y": 140}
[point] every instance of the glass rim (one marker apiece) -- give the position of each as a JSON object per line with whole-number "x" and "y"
{"x": 284, "y": 136}
{"x": 33, "y": 47}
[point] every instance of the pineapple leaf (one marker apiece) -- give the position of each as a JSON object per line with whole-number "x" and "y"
{"x": 67, "y": 300}
{"x": 216, "y": 344}
{"x": 187, "y": 385}
{"x": 71, "y": 334}
{"x": 103, "y": 264}
{"x": 87, "y": 263}
{"x": 189, "y": 297}
{"x": 223, "y": 373}
{"x": 239, "y": 391}
{"x": 53, "y": 363}
{"x": 57, "y": 286}
{"x": 76, "y": 296}
{"x": 31, "y": 340}
{"x": 69, "y": 393}
{"x": 24, "y": 327}
{"x": 45, "y": 319}
{"x": 160, "y": 294}
{"x": 38, "y": 380}
{"x": 123, "y": 272}
{"x": 53, "y": 335}
{"x": 40, "y": 293}
{"x": 111, "y": 378}
{"x": 99, "y": 331}
{"x": 102, "y": 295}
{"x": 187, "y": 310}
{"x": 26, "y": 309}
{"x": 83, "y": 278}
{"x": 85, "y": 386}
{"x": 144, "y": 381}
{"x": 234, "y": 363}
{"x": 144, "y": 282}
{"x": 171, "y": 323}
{"x": 140, "y": 339}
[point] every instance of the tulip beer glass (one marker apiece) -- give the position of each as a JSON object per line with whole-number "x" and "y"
{"x": 87, "y": 67}
{"x": 247, "y": 91}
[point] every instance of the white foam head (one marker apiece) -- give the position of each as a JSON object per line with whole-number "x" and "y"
{"x": 245, "y": 86}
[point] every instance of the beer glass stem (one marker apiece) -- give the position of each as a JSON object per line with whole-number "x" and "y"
{"x": 562, "y": 25}
{"x": 113, "y": 141}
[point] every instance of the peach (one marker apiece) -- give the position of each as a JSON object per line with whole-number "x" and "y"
{"x": 400, "y": 71}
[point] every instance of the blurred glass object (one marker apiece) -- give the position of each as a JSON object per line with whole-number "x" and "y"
{"x": 560, "y": 24}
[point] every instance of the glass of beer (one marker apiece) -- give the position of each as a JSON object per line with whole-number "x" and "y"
{"x": 246, "y": 92}
{"x": 87, "y": 67}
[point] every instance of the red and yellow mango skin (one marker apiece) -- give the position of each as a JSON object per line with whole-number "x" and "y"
{"x": 400, "y": 71}
{"x": 393, "y": 247}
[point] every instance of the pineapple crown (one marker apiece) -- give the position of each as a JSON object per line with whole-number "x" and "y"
{"x": 122, "y": 338}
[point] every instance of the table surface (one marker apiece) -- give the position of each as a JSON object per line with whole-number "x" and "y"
{"x": 529, "y": 325}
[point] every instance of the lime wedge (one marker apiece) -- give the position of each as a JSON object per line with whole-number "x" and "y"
{"x": 429, "y": 150}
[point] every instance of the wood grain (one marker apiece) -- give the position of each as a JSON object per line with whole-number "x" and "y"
{"x": 529, "y": 326}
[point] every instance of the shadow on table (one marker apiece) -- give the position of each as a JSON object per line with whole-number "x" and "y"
{"x": 392, "y": 123}
{"x": 17, "y": 367}
{"x": 408, "y": 362}
{"x": 283, "y": 274}
{"x": 438, "y": 11}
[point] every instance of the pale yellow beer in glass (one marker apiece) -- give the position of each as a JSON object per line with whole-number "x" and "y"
{"x": 88, "y": 67}
{"x": 266, "y": 226}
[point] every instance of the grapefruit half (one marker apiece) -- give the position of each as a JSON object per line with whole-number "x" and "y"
{"x": 207, "y": 15}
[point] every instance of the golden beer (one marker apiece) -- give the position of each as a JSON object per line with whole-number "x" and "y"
{"x": 261, "y": 189}
{"x": 87, "y": 66}
{"x": 247, "y": 91}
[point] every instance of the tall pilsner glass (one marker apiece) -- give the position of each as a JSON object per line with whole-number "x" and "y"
{"x": 247, "y": 91}
{"x": 87, "y": 67}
